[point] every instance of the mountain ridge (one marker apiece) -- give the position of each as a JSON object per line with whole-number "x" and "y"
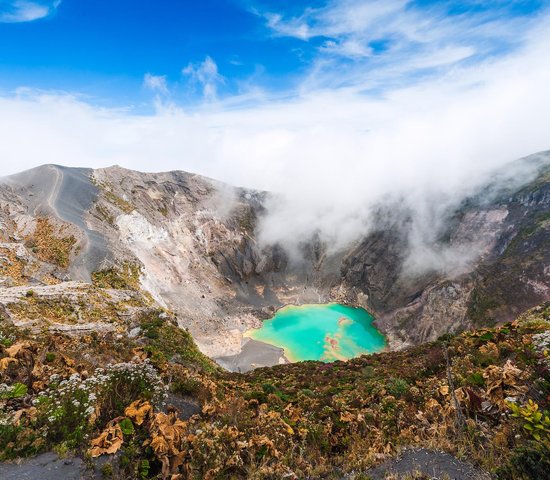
{"x": 186, "y": 232}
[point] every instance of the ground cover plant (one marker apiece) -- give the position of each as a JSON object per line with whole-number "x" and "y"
{"x": 482, "y": 395}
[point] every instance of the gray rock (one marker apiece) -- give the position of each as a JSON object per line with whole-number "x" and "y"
{"x": 134, "y": 332}
{"x": 431, "y": 463}
{"x": 46, "y": 466}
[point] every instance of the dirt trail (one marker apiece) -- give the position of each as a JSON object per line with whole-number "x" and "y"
{"x": 67, "y": 193}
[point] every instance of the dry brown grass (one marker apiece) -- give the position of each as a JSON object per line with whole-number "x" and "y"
{"x": 49, "y": 244}
{"x": 13, "y": 266}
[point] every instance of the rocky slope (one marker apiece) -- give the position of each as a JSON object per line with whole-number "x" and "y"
{"x": 139, "y": 401}
{"x": 108, "y": 276}
{"x": 190, "y": 243}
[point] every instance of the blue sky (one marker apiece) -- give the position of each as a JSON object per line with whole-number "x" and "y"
{"x": 104, "y": 48}
{"x": 196, "y": 51}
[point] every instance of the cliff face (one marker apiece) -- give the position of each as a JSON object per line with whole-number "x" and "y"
{"x": 508, "y": 272}
{"x": 190, "y": 241}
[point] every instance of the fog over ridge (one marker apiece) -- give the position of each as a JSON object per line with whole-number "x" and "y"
{"x": 330, "y": 156}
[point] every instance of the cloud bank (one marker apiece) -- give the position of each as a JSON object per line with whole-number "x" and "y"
{"x": 330, "y": 154}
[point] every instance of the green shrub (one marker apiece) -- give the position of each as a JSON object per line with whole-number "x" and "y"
{"x": 144, "y": 468}
{"x": 536, "y": 423}
{"x": 368, "y": 371}
{"x": 528, "y": 462}
{"x": 168, "y": 342}
{"x": 186, "y": 386}
{"x": 475, "y": 378}
{"x": 126, "y": 426}
{"x": 124, "y": 277}
{"x": 446, "y": 337}
{"x": 67, "y": 407}
{"x": 19, "y": 441}
{"x": 107, "y": 470}
{"x": 17, "y": 390}
{"x": 268, "y": 388}
{"x": 397, "y": 386}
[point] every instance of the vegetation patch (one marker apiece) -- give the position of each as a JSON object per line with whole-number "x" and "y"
{"x": 302, "y": 420}
{"x": 49, "y": 244}
{"x": 480, "y": 306}
{"x": 89, "y": 305}
{"x": 113, "y": 199}
{"x": 63, "y": 310}
{"x": 124, "y": 277}
{"x": 168, "y": 343}
{"x": 119, "y": 202}
{"x": 103, "y": 213}
{"x": 12, "y": 266}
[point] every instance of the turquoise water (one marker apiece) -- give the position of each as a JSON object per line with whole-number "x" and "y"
{"x": 325, "y": 332}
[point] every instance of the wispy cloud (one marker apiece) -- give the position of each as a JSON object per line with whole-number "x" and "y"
{"x": 361, "y": 42}
{"x": 18, "y": 11}
{"x": 293, "y": 27}
{"x": 206, "y": 75}
{"x": 156, "y": 83}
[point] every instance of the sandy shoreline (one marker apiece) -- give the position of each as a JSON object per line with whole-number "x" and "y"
{"x": 253, "y": 354}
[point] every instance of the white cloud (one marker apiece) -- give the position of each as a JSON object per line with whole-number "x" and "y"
{"x": 332, "y": 154}
{"x": 205, "y": 74}
{"x": 156, "y": 83}
{"x": 296, "y": 27}
{"x": 411, "y": 38}
{"x": 349, "y": 48}
{"x": 17, "y": 11}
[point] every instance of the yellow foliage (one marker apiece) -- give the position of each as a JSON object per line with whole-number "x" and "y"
{"x": 13, "y": 353}
{"x": 137, "y": 411}
{"x": 109, "y": 441}
{"x": 49, "y": 245}
{"x": 490, "y": 349}
{"x": 503, "y": 381}
{"x": 5, "y": 362}
{"x": 444, "y": 390}
{"x": 168, "y": 439}
{"x": 29, "y": 413}
{"x": 14, "y": 350}
{"x": 347, "y": 417}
